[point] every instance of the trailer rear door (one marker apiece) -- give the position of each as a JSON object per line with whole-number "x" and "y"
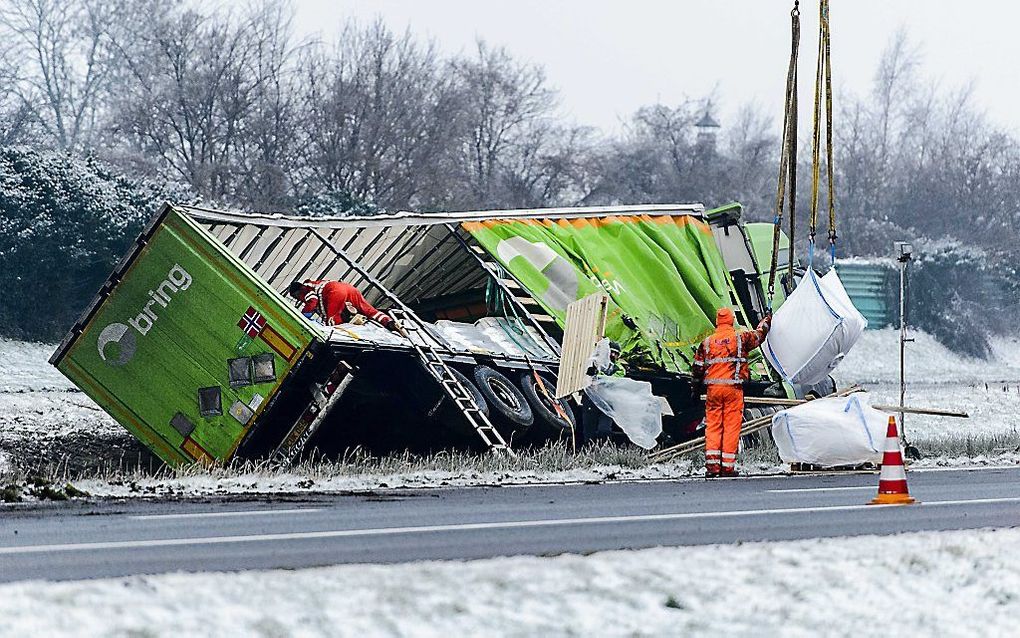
{"x": 184, "y": 345}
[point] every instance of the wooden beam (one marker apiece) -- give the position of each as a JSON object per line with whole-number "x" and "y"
{"x": 882, "y": 407}
{"x": 748, "y": 427}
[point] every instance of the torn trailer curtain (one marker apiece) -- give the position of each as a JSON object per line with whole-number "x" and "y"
{"x": 663, "y": 273}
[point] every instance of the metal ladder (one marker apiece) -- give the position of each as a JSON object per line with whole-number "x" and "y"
{"x": 430, "y": 358}
{"x": 738, "y": 308}
{"x": 519, "y": 294}
{"x": 452, "y": 386}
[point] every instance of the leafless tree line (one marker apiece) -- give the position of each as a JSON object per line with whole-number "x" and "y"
{"x": 235, "y": 106}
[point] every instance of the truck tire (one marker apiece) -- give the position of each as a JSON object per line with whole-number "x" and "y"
{"x": 761, "y": 437}
{"x": 503, "y": 397}
{"x": 545, "y": 412}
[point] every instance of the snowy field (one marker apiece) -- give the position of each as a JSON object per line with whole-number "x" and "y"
{"x": 927, "y": 584}
{"x": 46, "y": 422}
{"x": 987, "y": 390}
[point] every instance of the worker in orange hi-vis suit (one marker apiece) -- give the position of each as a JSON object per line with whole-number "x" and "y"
{"x": 721, "y": 363}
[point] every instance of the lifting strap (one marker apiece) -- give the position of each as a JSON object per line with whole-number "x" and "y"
{"x": 823, "y": 85}
{"x": 787, "y": 187}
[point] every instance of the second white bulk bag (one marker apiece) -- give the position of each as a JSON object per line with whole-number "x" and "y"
{"x": 813, "y": 330}
{"x": 831, "y": 432}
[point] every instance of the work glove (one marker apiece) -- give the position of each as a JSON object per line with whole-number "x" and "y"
{"x": 358, "y": 320}
{"x": 398, "y": 328}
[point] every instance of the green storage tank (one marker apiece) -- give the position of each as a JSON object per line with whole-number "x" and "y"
{"x": 871, "y": 287}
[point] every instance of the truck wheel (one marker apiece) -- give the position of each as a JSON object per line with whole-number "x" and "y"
{"x": 504, "y": 397}
{"x": 476, "y": 394}
{"x": 544, "y": 406}
{"x": 759, "y": 438}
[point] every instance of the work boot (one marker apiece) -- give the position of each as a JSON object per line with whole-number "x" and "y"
{"x": 729, "y": 472}
{"x": 712, "y": 471}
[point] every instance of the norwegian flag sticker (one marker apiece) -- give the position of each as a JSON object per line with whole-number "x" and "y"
{"x": 252, "y": 323}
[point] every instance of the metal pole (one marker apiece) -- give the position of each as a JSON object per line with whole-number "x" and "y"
{"x": 903, "y": 341}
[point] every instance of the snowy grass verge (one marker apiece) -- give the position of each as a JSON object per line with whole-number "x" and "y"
{"x": 555, "y": 463}
{"x": 935, "y": 583}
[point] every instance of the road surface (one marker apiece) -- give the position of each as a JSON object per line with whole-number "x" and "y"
{"x": 118, "y": 538}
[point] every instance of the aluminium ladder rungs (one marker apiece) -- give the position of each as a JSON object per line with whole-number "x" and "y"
{"x": 435, "y": 365}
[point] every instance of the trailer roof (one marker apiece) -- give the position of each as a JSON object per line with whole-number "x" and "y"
{"x": 414, "y": 255}
{"x": 411, "y": 218}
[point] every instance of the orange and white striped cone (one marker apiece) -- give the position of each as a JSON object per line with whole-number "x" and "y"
{"x": 892, "y": 483}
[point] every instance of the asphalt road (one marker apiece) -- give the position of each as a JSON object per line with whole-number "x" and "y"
{"x": 118, "y": 538}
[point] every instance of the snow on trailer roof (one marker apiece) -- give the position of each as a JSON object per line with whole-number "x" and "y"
{"x": 416, "y": 256}
{"x": 411, "y": 218}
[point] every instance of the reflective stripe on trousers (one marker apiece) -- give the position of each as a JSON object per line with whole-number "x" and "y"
{"x": 724, "y": 414}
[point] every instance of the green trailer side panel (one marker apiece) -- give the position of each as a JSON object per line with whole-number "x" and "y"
{"x": 663, "y": 272}
{"x": 761, "y": 236}
{"x": 169, "y": 328}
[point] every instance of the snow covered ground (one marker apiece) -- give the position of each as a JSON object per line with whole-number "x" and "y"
{"x": 936, "y": 377}
{"x": 24, "y": 367}
{"x": 936, "y": 583}
{"x": 876, "y": 359}
{"x": 45, "y": 421}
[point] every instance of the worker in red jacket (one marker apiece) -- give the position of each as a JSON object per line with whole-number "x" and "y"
{"x": 337, "y": 302}
{"x": 721, "y": 363}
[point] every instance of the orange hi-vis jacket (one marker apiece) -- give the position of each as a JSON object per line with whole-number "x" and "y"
{"x": 721, "y": 359}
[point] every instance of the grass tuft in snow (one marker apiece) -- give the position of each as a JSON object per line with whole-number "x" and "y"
{"x": 971, "y": 446}
{"x": 553, "y": 457}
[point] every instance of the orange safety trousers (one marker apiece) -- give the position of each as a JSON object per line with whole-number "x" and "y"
{"x": 724, "y": 414}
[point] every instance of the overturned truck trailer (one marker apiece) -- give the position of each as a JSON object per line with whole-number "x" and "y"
{"x": 192, "y": 345}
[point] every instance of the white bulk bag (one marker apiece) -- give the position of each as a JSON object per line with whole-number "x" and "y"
{"x": 813, "y": 330}
{"x": 631, "y": 405}
{"x": 830, "y": 432}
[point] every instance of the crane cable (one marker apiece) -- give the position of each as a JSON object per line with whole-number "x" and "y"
{"x": 788, "y": 161}
{"x": 823, "y": 84}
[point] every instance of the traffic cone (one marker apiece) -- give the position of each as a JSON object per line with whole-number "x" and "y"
{"x": 892, "y": 483}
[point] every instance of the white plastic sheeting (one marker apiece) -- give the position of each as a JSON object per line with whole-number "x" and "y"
{"x": 366, "y": 332}
{"x": 631, "y": 405}
{"x": 813, "y": 330}
{"x": 489, "y": 335}
{"x": 509, "y": 336}
{"x": 628, "y": 402}
{"x": 831, "y": 432}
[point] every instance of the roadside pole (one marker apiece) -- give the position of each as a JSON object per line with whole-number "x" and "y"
{"x": 904, "y": 250}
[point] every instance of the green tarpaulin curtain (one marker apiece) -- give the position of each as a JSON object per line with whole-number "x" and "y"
{"x": 664, "y": 275}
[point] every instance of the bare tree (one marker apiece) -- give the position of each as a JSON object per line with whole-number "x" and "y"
{"x": 751, "y": 154}
{"x": 547, "y": 166}
{"x": 194, "y": 81}
{"x": 504, "y": 104}
{"x": 15, "y": 114}
{"x": 65, "y": 49}
{"x": 377, "y": 118}
{"x": 266, "y": 151}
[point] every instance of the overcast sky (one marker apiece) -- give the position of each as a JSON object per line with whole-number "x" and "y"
{"x": 609, "y": 58}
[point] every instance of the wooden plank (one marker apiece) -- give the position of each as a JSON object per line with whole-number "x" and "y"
{"x": 748, "y": 427}
{"x": 585, "y": 325}
{"x": 882, "y": 407}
